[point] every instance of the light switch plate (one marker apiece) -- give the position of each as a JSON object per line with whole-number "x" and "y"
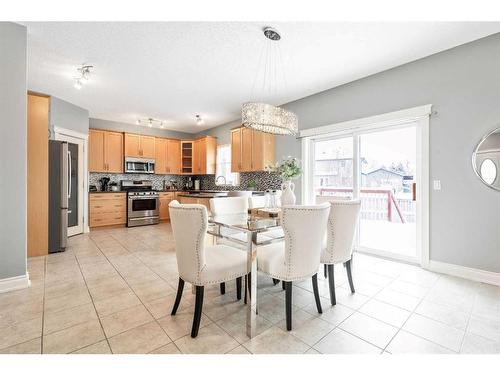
{"x": 437, "y": 184}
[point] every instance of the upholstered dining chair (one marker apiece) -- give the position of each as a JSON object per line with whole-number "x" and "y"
{"x": 230, "y": 206}
{"x": 197, "y": 264}
{"x": 297, "y": 258}
{"x": 337, "y": 248}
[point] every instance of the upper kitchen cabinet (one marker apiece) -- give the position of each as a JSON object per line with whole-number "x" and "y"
{"x": 174, "y": 156}
{"x": 168, "y": 156}
{"x": 105, "y": 151}
{"x": 251, "y": 150}
{"x": 139, "y": 146}
{"x": 204, "y": 154}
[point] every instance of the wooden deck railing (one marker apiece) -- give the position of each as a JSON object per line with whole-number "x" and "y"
{"x": 376, "y": 203}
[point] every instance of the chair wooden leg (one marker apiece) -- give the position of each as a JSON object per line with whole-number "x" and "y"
{"x": 288, "y": 304}
{"x": 180, "y": 288}
{"x": 316, "y": 293}
{"x": 331, "y": 282}
{"x": 283, "y": 285}
{"x": 222, "y": 288}
{"x": 197, "y": 310}
{"x": 349, "y": 275}
{"x": 275, "y": 281}
{"x": 238, "y": 288}
{"x": 325, "y": 271}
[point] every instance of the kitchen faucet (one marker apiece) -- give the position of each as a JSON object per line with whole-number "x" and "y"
{"x": 217, "y": 179}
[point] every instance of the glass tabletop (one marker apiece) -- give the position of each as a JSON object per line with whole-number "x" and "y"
{"x": 245, "y": 222}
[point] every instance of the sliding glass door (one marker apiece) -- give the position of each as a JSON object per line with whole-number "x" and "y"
{"x": 333, "y": 169}
{"x": 388, "y": 205}
{"x": 379, "y": 167}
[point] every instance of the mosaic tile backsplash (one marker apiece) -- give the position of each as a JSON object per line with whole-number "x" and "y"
{"x": 263, "y": 180}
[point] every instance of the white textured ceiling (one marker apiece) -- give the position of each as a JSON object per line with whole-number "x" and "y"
{"x": 174, "y": 70}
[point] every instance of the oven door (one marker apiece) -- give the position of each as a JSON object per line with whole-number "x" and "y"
{"x": 139, "y": 207}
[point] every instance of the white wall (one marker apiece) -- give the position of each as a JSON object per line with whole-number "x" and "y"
{"x": 13, "y": 148}
{"x": 68, "y": 116}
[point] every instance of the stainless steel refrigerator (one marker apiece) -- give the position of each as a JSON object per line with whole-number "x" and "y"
{"x": 59, "y": 190}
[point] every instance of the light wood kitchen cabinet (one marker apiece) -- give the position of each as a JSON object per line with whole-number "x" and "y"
{"x": 165, "y": 199}
{"x": 139, "y": 146}
{"x": 204, "y": 154}
{"x": 236, "y": 150}
{"x": 105, "y": 151}
{"x": 251, "y": 150}
{"x": 107, "y": 209}
{"x": 174, "y": 156}
{"x": 195, "y": 200}
{"x": 167, "y": 156}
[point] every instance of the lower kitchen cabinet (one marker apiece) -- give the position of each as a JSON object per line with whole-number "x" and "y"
{"x": 107, "y": 209}
{"x": 194, "y": 200}
{"x": 165, "y": 199}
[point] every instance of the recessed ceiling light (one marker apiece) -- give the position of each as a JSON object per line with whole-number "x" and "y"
{"x": 150, "y": 122}
{"x": 138, "y": 122}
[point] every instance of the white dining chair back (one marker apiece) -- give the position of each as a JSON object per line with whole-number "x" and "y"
{"x": 342, "y": 223}
{"x": 189, "y": 226}
{"x": 228, "y": 205}
{"x": 304, "y": 227}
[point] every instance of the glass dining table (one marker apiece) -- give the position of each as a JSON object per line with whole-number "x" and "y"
{"x": 251, "y": 225}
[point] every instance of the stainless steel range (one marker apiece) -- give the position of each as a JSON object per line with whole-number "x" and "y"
{"x": 142, "y": 203}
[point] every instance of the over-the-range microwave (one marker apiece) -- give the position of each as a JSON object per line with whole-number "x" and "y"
{"x": 139, "y": 165}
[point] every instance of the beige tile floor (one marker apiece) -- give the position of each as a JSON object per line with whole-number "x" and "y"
{"x": 112, "y": 292}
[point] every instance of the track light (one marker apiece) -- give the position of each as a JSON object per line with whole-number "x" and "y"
{"x": 199, "y": 120}
{"x": 78, "y": 84}
{"x": 83, "y": 75}
{"x": 151, "y": 122}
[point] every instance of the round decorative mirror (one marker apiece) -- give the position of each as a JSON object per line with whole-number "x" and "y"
{"x": 486, "y": 159}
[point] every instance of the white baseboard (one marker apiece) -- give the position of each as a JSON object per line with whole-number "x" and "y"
{"x": 14, "y": 283}
{"x": 465, "y": 272}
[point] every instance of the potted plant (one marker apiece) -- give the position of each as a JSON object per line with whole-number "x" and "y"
{"x": 252, "y": 185}
{"x": 288, "y": 169}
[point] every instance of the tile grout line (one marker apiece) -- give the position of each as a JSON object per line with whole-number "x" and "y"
{"x": 43, "y": 303}
{"x": 133, "y": 291}
{"x": 92, "y": 299}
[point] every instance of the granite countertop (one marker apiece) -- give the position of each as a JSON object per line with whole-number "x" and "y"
{"x": 210, "y": 194}
{"x": 105, "y": 192}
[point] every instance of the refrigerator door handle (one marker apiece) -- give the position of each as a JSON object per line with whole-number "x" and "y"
{"x": 69, "y": 174}
{"x": 64, "y": 175}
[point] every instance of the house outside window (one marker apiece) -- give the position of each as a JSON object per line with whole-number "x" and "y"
{"x": 223, "y": 167}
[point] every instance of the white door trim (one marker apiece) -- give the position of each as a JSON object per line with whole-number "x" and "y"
{"x": 420, "y": 116}
{"x": 377, "y": 121}
{"x": 60, "y": 133}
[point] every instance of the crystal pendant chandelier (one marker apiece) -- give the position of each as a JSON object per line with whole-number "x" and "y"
{"x": 267, "y": 117}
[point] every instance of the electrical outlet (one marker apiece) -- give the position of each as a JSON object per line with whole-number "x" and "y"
{"x": 437, "y": 184}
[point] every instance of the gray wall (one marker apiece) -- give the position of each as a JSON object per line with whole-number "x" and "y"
{"x": 132, "y": 128}
{"x": 13, "y": 42}
{"x": 463, "y": 84}
{"x": 69, "y": 116}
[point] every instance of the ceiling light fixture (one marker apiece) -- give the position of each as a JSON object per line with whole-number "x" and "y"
{"x": 151, "y": 122}
{"x": 267, "y": 117}
{"x": 83, "y": 75}
{"x": 199, "y": 120}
